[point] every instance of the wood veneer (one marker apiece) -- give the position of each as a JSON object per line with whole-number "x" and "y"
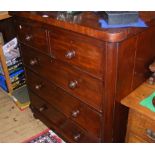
{"x": 122, "y": 57}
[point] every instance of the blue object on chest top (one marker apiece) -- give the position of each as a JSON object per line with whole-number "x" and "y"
{"x": 140, "y": 23}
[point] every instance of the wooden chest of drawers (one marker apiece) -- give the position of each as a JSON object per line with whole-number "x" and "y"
{"x": 77, "y": 74}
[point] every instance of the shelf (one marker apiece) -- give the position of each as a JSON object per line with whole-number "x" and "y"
{"x": 4, "y": 15}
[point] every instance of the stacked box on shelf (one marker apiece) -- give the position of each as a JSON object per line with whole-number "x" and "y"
{"x": 3, "y": 84}
{"x": 14, "y": 66}
{"x": 17, "y": 75}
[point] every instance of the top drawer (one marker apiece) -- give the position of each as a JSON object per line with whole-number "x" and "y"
{"x": 34, "y": 35}
{"x": 81, "y": 51}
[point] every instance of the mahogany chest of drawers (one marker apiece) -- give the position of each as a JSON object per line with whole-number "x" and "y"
{"x": 77, "y": 73}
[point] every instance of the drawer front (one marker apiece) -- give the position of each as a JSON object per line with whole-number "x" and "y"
{"x": 74, "y": 50}
{"x": 88, "y": 119}
{"x": 134, "y": 139}
{"x": 47, "y": 110}
{"x": 142, "y": 126}
{"x": 76, "y": 134}
{"x": 81, "y": 85}
{"x": 70, "y": 106}
{"x": 33, "y": 35}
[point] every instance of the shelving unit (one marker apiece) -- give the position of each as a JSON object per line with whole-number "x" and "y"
{"x": 12, "y": 76}
{"x": 11, "y": 71}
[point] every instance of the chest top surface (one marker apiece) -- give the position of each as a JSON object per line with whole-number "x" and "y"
{"x": 88, "y": 24}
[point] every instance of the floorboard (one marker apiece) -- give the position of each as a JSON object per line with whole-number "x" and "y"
{"x": 15, "y": 125}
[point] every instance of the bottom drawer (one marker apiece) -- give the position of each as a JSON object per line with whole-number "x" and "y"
{"x": 47, "y": 110}
{"x": 76, "y": 134}
{"x": 67, "y": 128}
{"x": 142, "y": 126}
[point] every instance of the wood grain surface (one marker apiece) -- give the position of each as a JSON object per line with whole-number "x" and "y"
{"x": 16, "y": 126}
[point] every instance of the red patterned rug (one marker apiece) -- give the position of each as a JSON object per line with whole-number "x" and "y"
{"x": 47, "y": 136}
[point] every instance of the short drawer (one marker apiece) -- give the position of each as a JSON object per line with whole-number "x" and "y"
{"x": 67, "y": 104}
{"x": 142, "y": 126}
{"x": 75, "y": 82}
{"x": 47, "y": 110}
{"x": 34, "y": 35}
{"x": 81, "y": 51}
{"x": 77, "y": 134}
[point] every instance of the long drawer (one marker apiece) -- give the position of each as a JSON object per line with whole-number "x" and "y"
{"x": 81, "y": 51}
{"x": 76, "y": 134}
{"x": 67, "y": 104}
{"x": 66, "y": 126}
{"x": 77, "y": 83}
{"x": 47, "y": 110}
{"x": 32, "y": 34}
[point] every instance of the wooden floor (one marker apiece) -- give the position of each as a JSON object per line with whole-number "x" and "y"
{"x": 15, "y": 125}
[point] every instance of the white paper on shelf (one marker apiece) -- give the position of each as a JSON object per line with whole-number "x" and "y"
{"x": 11, "y": 50}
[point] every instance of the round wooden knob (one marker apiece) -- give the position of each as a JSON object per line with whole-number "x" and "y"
{"x": 38, "y": 86}
{"x": 42, "y": 108}
{"x": 77, "y": 137}
{"x": 75, "y": 113}
{"x": 28, "y": 37}
{"x": 152, "y": 67}
{"x": 70, "y": 54}
{"x": 150, "y": 134}
{"x": 20, "y": 26}
{"x": 153, "y": 101}
{"x": 33, "y": 62}
{"x": 73, "y": 84}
